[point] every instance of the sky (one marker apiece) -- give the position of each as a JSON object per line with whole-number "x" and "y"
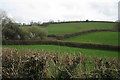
{"x": 25, "y": 11}
{"x": 119, "y": 11}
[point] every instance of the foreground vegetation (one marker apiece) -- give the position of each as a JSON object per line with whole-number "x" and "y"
{"x": 70, "y": 50}
{"x": 97, "y": 37}
{"x": 42, "y": 64}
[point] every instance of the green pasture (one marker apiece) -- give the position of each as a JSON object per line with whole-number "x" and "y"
{"x": 69, "y": 50}
{"x": 77, "y": 27}
{"x": 64, "y": 28}
{"x": 97, "y": 37}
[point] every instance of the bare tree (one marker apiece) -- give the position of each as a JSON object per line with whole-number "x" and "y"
{"x": 3, "y": 16}
{"x": 4, "y": 19}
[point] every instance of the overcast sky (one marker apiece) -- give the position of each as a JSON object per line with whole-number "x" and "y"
{"x": 45, "y": 10}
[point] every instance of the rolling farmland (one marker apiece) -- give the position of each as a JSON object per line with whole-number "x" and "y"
{"x": 56, "y": 61}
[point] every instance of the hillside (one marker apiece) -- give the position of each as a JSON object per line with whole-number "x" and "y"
{"x": 97, "y": 37}
{"x": 64, "y": 28}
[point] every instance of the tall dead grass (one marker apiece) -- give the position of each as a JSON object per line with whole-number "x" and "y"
{"x": 38, "y": 64}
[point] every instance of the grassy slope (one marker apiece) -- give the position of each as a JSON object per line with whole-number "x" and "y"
{"x": 62, "y": 49}
{"x": 97, "y": 37}
{"x": 77, "y": 27}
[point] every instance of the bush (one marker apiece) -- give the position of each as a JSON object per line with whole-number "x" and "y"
{"x": 33, "y": 33}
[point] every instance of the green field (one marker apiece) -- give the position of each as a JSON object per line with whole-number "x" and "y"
{"x": 77, "y": 27}
{"x": 97, "y": 37}
{"x": 53, "y": 58}
{"x": 70, "y": 50}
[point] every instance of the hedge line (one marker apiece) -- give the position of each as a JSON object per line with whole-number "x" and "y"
{"x": 61, "y": 43}
{"x": 81, "y": 22}
{"x": 64, "y": 36}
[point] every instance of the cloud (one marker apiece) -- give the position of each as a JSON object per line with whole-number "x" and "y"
{"x": 44, "y": 10}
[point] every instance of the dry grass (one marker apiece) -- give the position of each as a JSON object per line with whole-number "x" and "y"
{"x": 39, "y": 64}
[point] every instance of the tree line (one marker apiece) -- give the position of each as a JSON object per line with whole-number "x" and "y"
{"x": 12, "y": 30}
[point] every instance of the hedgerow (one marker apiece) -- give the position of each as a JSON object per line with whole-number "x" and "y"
{"x": 29, "y": 64}
{"x": 64, "y": 36}
{"x": 61, "y": 43}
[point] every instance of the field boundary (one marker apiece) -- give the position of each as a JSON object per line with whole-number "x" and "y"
{"x": 62, "y": 43}
{"x": 80, "y": 22}
{"x": 64, "y": 36}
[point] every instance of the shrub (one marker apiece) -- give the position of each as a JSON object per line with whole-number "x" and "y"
{"x": 33, "y": 33}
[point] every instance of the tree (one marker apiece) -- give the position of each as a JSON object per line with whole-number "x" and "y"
{"x": 4, "y": 19}
{"x": 11, "y": 31}
{"x": 37, "y": 33}
{"x": 33, "y": 33}
{"x": 87, "y": 20}
{"x": 2, "y": 15}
